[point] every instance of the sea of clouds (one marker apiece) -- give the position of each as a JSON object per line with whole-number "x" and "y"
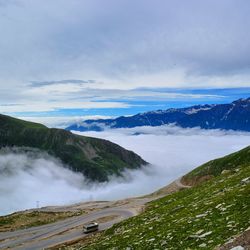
{"x": 31, "y": 178}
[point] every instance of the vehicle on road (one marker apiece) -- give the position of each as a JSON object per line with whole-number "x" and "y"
{"x": 91, "y": 227}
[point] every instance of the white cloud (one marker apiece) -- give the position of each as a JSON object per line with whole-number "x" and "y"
{"x": 125, "y": 45}
{"x": 52, "y": 106}
{"x": 52, "y": 97}
{"x": 172, "y": 152}
{"x": 61, "y": 121}
{"x": 174, "y": 149}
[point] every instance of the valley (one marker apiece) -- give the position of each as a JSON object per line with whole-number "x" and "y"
{"x": 221, "y": 204}
{"x": 48, "y": 181}
{"x": 208, "y": 195}
{"x": 107, "y": 213}
{"x": 124, "y": 125}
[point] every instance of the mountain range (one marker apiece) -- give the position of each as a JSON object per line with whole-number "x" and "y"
{"x": 97, "y": 159}
{"x": 231, "y": 116}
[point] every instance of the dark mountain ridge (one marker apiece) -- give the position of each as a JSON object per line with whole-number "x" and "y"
{"x": 97, "y": 159}
{"x": 232, "y": 116}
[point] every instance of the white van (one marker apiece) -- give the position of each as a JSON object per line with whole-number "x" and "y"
{"x": 91, "y": 227}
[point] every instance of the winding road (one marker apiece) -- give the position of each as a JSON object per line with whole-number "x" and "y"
{"x": 57, "y": 233}
{"x": 70, "y": 229}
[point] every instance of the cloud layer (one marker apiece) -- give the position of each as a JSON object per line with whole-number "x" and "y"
{"x": 124, "y": 38}
{"x": 28, "y": 178}
{"x": 123, "y": 45}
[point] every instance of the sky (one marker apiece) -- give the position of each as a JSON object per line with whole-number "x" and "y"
{"x": 35, "y": 173}
{"x": 118, "y": 57}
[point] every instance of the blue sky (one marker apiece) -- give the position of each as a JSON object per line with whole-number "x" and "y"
{"x": 137, "y": 104}
{"x": 120, "y": 57}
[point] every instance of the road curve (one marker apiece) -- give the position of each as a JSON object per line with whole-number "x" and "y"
{"x": 57, "y": 233}
{"x": 180, "y": 184}
{"x": 71, "y": 229}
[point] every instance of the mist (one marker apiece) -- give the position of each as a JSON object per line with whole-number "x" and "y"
{"x": 28, "y": 177}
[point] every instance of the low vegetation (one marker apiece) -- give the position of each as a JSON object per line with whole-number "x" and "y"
{"x": 97, "y": 159}
{"x": 216, "y": 167}
{"x": 202, "y": 217}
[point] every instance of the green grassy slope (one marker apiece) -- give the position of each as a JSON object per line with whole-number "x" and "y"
{"x": 215, "y": 167}
{"x": 201, "y": 217}
{"x": 96, "y": 158}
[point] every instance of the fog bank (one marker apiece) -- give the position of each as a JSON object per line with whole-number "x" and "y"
{"x": 26, "y": 178}
{"x": 173, "y": 150}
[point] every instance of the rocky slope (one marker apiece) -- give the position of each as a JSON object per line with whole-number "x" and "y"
{"x": 95, "y": 158}
{"x": 235, "y": 116}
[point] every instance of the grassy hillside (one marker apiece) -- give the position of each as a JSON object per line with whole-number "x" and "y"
{"x": 202, "y": 217}
{"x": 215, "y": 167}
{"x": 95, "y": 158}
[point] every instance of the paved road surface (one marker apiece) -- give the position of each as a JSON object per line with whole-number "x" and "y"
{"x": 59, "y": 232}
{"x": 71, "y": 229}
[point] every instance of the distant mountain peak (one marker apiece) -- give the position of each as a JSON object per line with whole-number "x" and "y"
{"x": 231, "y": 116}
{"x": 197, "y": 108}
{"x": 242, "y": 101}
